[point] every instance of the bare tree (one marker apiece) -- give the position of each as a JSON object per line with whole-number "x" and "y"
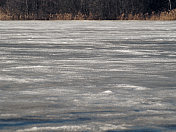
{"x": 27, "y": 8}
{"x": 170, "y": 5}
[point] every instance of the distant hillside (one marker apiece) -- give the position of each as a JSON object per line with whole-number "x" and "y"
{"x": 84, "y": 9}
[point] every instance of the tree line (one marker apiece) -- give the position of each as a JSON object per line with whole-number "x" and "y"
{"x": 97, "y": 9}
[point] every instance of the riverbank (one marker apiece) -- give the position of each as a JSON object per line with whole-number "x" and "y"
{"x": 166, "y": 15}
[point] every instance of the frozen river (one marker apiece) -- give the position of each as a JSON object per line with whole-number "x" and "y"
{"x": 91, "y": 76}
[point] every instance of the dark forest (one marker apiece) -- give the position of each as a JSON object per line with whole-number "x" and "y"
{"x": 83, "y": 9}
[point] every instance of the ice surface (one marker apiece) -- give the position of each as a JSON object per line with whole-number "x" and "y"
{"x": 88, "y": 76}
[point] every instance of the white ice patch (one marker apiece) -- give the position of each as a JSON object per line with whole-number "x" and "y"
{"x": 107, "y": 127}
{"x": 8, "y": 115}
{"x": 89, "y": 48}
{"x": 172, "y": 55}
{"x": 20, "y": 80}
{"x": 52, "y": 92}
{"x": 103, "y": 127}
{"x": 7, "y": 61}
{"x": 107, "y": 92}
{"x": 27, "y": 67}
{"x": 8, "y": 78}
{"x": 52, "y": 98}
{"x": 30, "y": 92}
{"x": 63, "y": 128}
{"x": 128, "y": 86}
{"x": 133, "y": 52}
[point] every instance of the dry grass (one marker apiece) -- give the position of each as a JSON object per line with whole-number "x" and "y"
{"x": 4, "y": 16}
{"x": 167, "y": 15}
{"x": 69, "y": 16}
{"x": 66, "y": 16}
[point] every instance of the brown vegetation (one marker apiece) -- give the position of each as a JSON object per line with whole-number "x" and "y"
{"x": 166, "y": 15}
